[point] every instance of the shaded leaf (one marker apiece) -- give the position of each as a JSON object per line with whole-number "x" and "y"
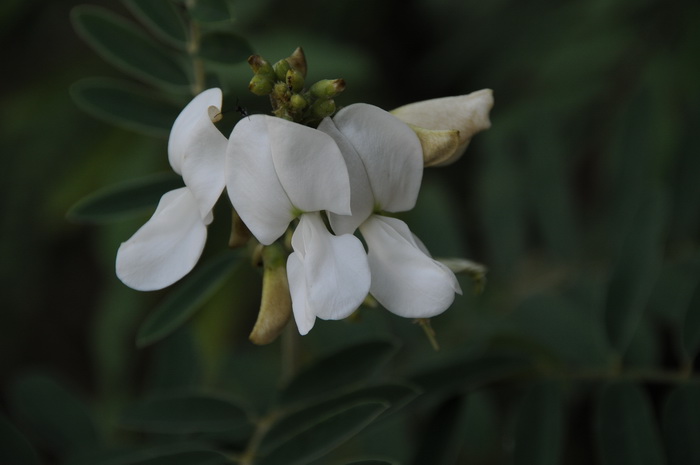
{"x": 371, "y": 462}
{"x": 440, "y": 435}
{"x": 14, "y": 447}
{"x": 346, "y": 368}
{"x": 162, "y": 18}
{"x": 125, "y": 200}
{"x": 633, "y": 276}
{"x": 185, "y": 413}
{"x": 324, "y": 436}
{"x": 625, "y": 427}
{"x": 394, "y": 396}
{"x": 128, "y": 48}
{"x": 125, "y": 105}
{"x": 180, "y": 453}
{"x": 470, "y": 373}
{"x": 54, "y": 417}
{"x": 224, "y": 47}
{"x": 691, "y": 326}
{"x": 184, "y": 301}
{"x": 681, "y": 425}
{"x": 176, "y": 364}
{"x": 210, "y": 11}
{"x": 539, "y": 432}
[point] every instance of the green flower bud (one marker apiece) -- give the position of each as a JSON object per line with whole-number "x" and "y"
{"x": 295, "y": 80}
{"x": 327, "y": 88}
{"x": 297, "y": 60}
{"x": 281, "y": 68}
{"x": 260, "y": 85}
{"x": 297, "y": 102}
{"x": 260, "y": 66}
{"x": 276, "y": 303}
{"x": 322, "y": 108}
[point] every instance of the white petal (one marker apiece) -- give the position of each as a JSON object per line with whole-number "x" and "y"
{"x": 167, "y": 247}
{"x": 252, "y": 183}
{"x": 190, "y": 119}
{"x": 405, "y": 280}
{"x": 328, "y": 275}
{"x": 310, "y": 167}
{"x": 468, "y": 114}
{"x": 362, "y": 198}
{"x": 197, "y": 149}
{"x": 390, "y": 151}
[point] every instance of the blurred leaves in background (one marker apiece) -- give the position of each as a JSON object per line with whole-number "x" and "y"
{"x": 583, "y": 201}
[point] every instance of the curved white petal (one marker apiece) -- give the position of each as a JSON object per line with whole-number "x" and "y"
{"x": 167, "y": 247}
{"x": 468, "y": 114}
{"x": 310, "y": 167}
{"x": 405, "y": 280}
{"x": 252, "y": 182}
{"x": 390, "y": 151}
{"x": 197, "y": 149}
{"x": 190, "y": 120}
{"x": 362, "y": 198}
{"x": 328, "y": 275}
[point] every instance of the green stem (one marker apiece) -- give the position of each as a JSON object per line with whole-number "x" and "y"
{"x": 193, "y": 43}
{"x": 262, "y": 427}
{"x": 290, "y": 353}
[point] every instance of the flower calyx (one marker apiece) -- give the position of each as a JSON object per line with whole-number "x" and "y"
{"x": 285, "y": 84}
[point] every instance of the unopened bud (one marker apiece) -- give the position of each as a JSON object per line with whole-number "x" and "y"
{"x": 260, "y": 85}
{"x": 295, "y": 80}
{"x": 297, "y": 102}
{"x": 297, "y": 60}
{"x": 322, "y": 108}
{"x": 281, "y": 68}
{"x": 327, "y": 88}
{"x": 260, "y": 66}
{"x": 276, "y": 302}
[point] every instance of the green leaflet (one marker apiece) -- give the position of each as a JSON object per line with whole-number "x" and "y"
{"x": 346, "y": 368}
{"x": 125, "y": 200}
{"x": 681, "y": 425}
{"x": 184, "y": 301}
{"x": 130, "y": 49}
{"x": 126, "y": 105}
{"x": 625, "y": 427}
{"x": 162, "y": 18}
{"x": 324, "y": 436}
{"x": 184, "y": 413}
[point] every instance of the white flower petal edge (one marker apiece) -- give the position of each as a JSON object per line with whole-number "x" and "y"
{"x": 276, "y": 169}
{"x": 390, "y": 152}
{"x": 329, "y": 275}
{"x": 197, "y": 149}
{"x": 167, "y": 246}
{"x": 405, "y": 280}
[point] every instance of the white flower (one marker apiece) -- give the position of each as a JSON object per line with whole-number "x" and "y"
{"x": 277, "y": 171}
{"x": 385, "y": 162}
{"x": 169, "y": 245}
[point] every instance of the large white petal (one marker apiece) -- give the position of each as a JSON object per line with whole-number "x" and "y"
{"x": 390, "y": 151}
{"x": 167, "y": 247}
{"x": 252, "y": 182}
{"x": 362, "y": 198}
{"x": 310, "y": 167}
{"x": 190, "y": 120}
{"x": 468, "y": 114}
{"x": 328, "y": 275}
{"x": 405, "y": 280}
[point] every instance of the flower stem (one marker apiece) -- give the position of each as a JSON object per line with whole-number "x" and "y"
{"x": 193, "y": 43}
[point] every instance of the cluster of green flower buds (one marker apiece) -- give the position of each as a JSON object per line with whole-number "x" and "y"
{"x": 285, "y": 83}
